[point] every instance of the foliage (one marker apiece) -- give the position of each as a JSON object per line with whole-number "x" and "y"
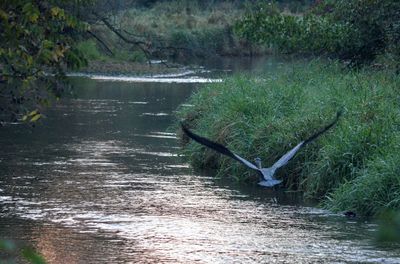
{"x": 36, "y": 47}
{"x": 89, "y": 49}
{"x": 13, "y": 252}
{"x": 178, "y": 29}
{"x": 376, "y": 26}
{"x": 267, "y": 116}
{"x": 356, "y": 30}
{"x": 389, "y": 227}
{"x": 291, "y": 33}
{"x": 376, "y": 189}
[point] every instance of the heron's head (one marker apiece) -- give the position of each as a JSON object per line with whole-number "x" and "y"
{"x": 258, "y": 162}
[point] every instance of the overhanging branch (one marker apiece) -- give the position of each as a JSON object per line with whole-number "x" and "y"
{"x": 142, "y": 45}
{"x": 105, "y": 46}
{"x": 147, "y": 47}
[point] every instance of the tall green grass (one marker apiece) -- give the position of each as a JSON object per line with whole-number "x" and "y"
{"x": 267, "y": 116}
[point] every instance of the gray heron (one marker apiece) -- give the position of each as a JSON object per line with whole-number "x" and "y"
{"x": 266, "y": 174}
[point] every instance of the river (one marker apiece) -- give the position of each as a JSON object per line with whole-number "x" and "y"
{"x": 100, "y": 181}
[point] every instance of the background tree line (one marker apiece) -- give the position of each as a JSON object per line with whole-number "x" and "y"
{"x": 357, "y": 31}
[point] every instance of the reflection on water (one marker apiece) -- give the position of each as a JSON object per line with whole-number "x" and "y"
{"x": 182, "y": 76}
{"x": 154, "y": 79}
{"x": 101, "y": 182}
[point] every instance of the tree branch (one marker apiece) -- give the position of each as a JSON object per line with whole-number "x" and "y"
{"x": 101, "y": 42}
{"x": 143, "y": 46}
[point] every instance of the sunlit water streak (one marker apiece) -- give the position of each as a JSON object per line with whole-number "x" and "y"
{"x": 101, "y": 182}
{"x": 193, "y": 79}
{"x": 184, "y": 77}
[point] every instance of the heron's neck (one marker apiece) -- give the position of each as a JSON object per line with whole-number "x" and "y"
{"x": 258, "y": 163}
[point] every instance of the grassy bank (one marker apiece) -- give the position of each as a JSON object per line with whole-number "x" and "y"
{"x": 173, "y": 30}
{"x": 352, "y": 167}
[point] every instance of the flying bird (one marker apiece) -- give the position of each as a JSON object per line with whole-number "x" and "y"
{"x": 266, "y": 174}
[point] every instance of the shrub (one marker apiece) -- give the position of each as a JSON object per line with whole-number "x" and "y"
{"x": 89, "y": 49}
{"x": 356, "y": 30}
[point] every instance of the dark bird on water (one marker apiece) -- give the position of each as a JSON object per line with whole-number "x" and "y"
{"x": 350, "y": 214}
{"x": 266, "y": 174}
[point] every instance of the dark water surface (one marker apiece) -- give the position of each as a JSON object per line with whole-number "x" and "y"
{"x": 100, "y": 181}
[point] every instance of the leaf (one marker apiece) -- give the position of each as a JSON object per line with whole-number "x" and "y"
{"x": 34, "y": 112}
{"x": 3, "y": 15}
{"x": 47, "y": 44}
{"x": 46, "y": 56}
{"x": 32, "y": 256}
{"x": 34, "y": 17}
{"x": 35, "y": 118}
{"x": 54, "y": 11}
{"x": 31, "y": 11}
{"x": 29, "y": 60}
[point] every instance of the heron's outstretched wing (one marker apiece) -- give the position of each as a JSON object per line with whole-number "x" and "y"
{"x": 217, "y": 147}
{"x": 316, "y": 135}
{"x": 285, "y": 158}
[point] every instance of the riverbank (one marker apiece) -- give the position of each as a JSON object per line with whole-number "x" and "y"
{"x": 176, "y": 31}
{"x": 352, "y": 167}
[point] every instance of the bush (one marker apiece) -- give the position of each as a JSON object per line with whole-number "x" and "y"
{"x": 89, "y": 49}
{"x": 375, "y": 24}
{"x": 356, "y": 30}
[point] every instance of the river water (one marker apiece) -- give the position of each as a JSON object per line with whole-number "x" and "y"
{"x": 100, "y": 181}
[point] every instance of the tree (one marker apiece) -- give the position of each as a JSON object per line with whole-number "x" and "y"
{"x": 37, "y": 41}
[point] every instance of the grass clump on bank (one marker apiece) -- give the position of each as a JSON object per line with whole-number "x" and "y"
{"x": 348, "y": 167}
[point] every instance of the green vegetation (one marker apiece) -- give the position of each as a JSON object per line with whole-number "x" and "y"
{"x": 352, "y": 167}
{"x": 10, "y": 252}
{"x": 389, "y": 227}
{"x": 175, "y": 29}
{"x": 36, "y": 46}
{"x": 355, "y": 167}
{"x": 90, "y": 50}
{"x": 178, "y": 29}
{"x": 188, "y": 27}
{"x": 358, "y": 31}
